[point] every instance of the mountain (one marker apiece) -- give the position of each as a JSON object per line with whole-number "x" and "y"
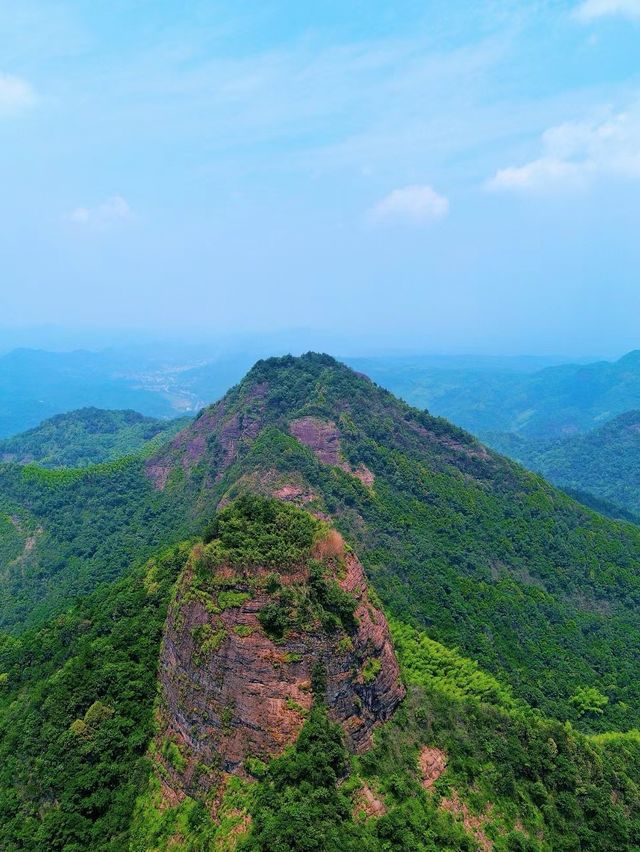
{"x": 551, "y": 402}
{"x": 604, "y": 462}
{"x": 87, "y": 436}
{"x": 472, "y": 692}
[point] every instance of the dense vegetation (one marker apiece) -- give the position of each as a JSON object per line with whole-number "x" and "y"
{"x": 509, "y": 778}
{"x": 88, "y": 436}
{"x": 514, "y": 612}
{"x": 603, "y": 463}
{"x": 513, "y": 396}
{"x": 484, "y": 555}
{"x": 76, "y": 529}
{"x": 76, "y": 701}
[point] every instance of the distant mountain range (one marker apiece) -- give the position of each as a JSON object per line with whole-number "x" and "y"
{"x": 35, "y": 385}
{"x": 528, "y": 408}
{"x": 545, "y": 403}
{"x": 483, "y": 394}
{"x": 603, "y": 463}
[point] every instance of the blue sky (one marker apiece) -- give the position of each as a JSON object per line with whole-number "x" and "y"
{"x": 449, "y": 176}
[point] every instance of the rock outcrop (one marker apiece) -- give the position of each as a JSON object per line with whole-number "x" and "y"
{"x": 323, "y": 437}
{"x": 231, "y": 693}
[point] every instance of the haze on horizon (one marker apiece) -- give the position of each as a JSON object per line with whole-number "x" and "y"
{"x": 412, "y": 175}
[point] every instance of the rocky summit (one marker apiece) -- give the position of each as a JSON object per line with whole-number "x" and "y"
{"x": 252, "y": 637}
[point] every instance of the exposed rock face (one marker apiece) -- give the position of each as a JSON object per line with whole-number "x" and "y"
{"x": 216, "y": 433}
{"x": 228, "y": 692}
{"x": 432, "y": 763}
{"x": 323, "y": 437}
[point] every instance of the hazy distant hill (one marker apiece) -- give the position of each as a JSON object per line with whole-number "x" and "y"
{"x": 604, "y": 462}
{"x": 35, "y": 385}
{"x": 554, "y": 401}
{"x": 87, "y": 436}
{"x": 482, "y": 394}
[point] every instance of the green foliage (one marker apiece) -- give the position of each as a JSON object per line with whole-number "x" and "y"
{"x": 429, "y": 664}
{"x": 485, "y": 556}
{"x": 337, "y": 606}
{"x": 88, "y": 436}
{"x": 371, "y": 670}
{"x": 257, "y": 531}
{"x": 602, "y": 465}
{"x": 76, "y": 715}
{"x": 156, "y": 826}
{"x": 302, "y": 606}
{"x": 542, "y": 593}
{"x": 208, "y": 637}
{"x": 588, "y": 699}
{"x": 532, "y": 783}
{"x": 171, "y": 751}
{"x": 74, "y": 530}
{"x": 231, "y": 598}
{"x": 298, "y": 805}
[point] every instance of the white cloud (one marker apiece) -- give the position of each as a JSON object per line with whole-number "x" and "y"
{"x": 112, "y": 211}
{"x": 577, "y": 153}
{"x": 589, "y": 10}
{"x": 416, "y": 204}
{"x": 15, "y": 93}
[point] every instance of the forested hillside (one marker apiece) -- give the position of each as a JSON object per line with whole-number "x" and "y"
{"x": 87, "y": 436}
{"x": 461, "y": 765}
{"x": 604, "y": 462}
{"x": 513, "y": 610}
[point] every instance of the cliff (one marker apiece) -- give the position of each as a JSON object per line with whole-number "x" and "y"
{"x": 258, "y": 630}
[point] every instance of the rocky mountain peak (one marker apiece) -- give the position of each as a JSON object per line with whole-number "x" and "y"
{"x": 271, "y": 615}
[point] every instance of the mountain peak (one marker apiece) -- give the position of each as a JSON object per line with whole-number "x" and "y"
{"x": 270, "y": 615}
{"x": 320, "y": 403}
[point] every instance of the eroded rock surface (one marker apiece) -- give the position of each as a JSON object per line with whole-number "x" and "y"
{"x": 432, "y": 763}
{"x": 214, "y": 436}
{"x": 230, "y": 693}
{"x": 323, "y": 437}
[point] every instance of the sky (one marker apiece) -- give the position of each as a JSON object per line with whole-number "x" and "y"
{"x": 436, "y": 175}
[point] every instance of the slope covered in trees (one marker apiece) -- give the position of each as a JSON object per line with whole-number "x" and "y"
{"x": 485, "y": 556}
{"x": 87, "y": 436}
{"x": 604, "y": 462}
{"x": 462, "y": 765}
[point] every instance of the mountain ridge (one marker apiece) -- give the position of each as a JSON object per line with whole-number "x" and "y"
{"x": 457, "y": 539}
{"x": 604, "y": 462}
{"x": 87, "y": 436}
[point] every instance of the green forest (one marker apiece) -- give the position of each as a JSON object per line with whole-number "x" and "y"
{"x": 88, "y": 436}
{"x": 512, "y": 608}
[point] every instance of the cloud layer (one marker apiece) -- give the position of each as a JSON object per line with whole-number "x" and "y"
{"x": 577, "y": 153}
{"x": 15, "y": 93}
{"x": 111, "y": 212}
{"x": 589, "y": 10}
{"x": 415, "y": 204}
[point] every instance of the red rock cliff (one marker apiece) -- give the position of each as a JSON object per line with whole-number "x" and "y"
{"x": 229, "y": 692}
